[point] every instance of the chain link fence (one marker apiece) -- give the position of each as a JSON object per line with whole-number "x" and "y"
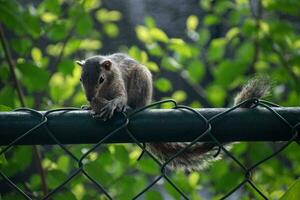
{"x": 164, "y": 172}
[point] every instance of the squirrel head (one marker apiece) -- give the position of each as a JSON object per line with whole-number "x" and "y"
{"x": 95, "y": 73}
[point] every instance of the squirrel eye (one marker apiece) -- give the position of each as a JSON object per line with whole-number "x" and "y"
{"x": 101, "y": 79}
{"x": 80, "y": 79}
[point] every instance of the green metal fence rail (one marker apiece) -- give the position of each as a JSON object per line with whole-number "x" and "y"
{"x": 265, "y": 122}
{"x": 156, "y": 125}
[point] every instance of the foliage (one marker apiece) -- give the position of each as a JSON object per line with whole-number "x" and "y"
{"x": 46, "y": 37}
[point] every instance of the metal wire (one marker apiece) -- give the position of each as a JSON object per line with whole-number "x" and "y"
{"x": 247, "y": 171}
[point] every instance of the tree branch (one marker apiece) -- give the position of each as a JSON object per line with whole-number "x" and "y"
{"x": 68, "y": 37}
{"x": 257, "y": 15}
{"x": 65, "y": 41}
{"x": 12, "y": 67}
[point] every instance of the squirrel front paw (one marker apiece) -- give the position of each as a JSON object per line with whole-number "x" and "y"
{"x": 121, "y": 107}
{"x": 108, "y": 110}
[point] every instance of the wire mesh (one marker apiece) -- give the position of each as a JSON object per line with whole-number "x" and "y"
{"x": 247, "y": 171}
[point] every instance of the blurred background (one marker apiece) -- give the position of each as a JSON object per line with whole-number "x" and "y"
{"x": 199, "y": 52}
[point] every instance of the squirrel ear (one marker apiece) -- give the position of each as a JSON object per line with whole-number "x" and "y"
{"x": 80, "y": 62}
{"x": 106, "y": 64}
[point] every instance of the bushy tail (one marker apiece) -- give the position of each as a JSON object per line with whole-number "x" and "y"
{"x": 201, "y": 154}
{"x": 256, "y": 87}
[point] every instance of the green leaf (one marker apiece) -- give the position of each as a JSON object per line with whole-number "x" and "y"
{"x": 33, "y": 24}
{"x": 163, "y": 84}
{"x": 171, "y": 64}
{"x": 51, "y": 6}
{"x": 54, "y": 50}
{"x": 216, "y": 95}
{"x": 33, "y": 77}
{"x": 293, "y": 193}
{"x": 63, "y": 163}
{"x": 233, "y": 32}
{"x": 65, "y": 195}
{"x": 86, "y": 44}
{"x": 234, "y": 17}
{"x": 228, "y": 71}
{"x": 55, "y": 178}
{"x": 154, "y": 49}
{"x": 21, "y": 45}
{"x": 5, "y": 108}
{"x": 180, "y": 47}
{"x": 111, "y": 30}
{"x": 216, "y": 49}
{"x": 205, "y": 5}
{"x": 127, "y": 187}
{"x": 151, "y": 194}
{"x": 204, "y": 36}
{"x": 84, "y": 25}
{"x": 11, "y": 14}
{"x": 152, "y": 66}
{"x": 16, "y": 162}
{"x": 4, "y": 72}
{"x": 196, "y": 70}
{"x": 289, "y": 7}
{"x": 103, "y": 15}
{"x": 121, "y": 154}
{"x": 192, "y": 22}
{"x": 180, "y": 179}
{"x": 195, "y": 104}
{"x": 62, "y": 87}
{"x": 58, "y": 31}
{"x": 158, "y": 35}
{"x": 193, "y": 179}
{"x": 91, "y": 4}
{"x": 66, "y": 66}
{"x": 73, "y": 45}
{"x": 172, "y": 191}
{"x": 149, "y": 21}
{"x": 245, "y": 53}
{"x": 49, "y": 17}
{"x": 248, "y": 27}
{"x": 276, "y": 194}
{"x": 97, "y": 170}
{"x": 148, "y": 166}
{"x": 7, "y": 96}
{"x": 143, "y": 34}
{"x": 211, "y": 20}
{"x": 138, "y": 55}
{"x": 79, "y": 99}
{"x": 36, "y": 55}
{"x": 222, "y": 6}
{"x": 179, "y": 96}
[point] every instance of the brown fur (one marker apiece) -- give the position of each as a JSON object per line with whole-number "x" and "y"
{"x": 129, "y": 83}
{"x": 126, "y": 83}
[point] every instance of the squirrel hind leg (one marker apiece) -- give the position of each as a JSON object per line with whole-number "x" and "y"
{"x": 139, "y": 88}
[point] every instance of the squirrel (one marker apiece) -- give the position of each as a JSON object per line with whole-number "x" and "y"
{"x": 115, "y": 82}
{"x": 112, "y": 83}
